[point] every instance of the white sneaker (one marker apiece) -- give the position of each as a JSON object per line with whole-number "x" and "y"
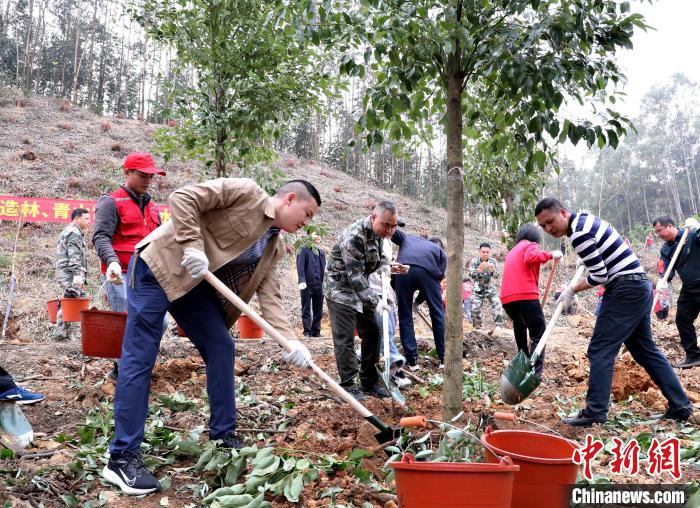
{"x": 442, "y": 366}
{"x": 414, "y": 367}
{"x": 402, "y": 381}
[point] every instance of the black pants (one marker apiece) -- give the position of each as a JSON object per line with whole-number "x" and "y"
{"x": 344, "y": 320}
{"x": 420, "y": 279}
{"x": 312, "y": 303}
{"x": 527, "y": 316}
{"x": 6, "y": 382}
{"x": 688, "y": 310}
{"x": 625, "y": 318}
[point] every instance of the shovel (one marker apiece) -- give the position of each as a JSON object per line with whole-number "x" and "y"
{"x": 519, "y": 380}
{"x": 385, "y": 375}
{"x": 550, "y": 279}
{"x": 385, "y": 433}
{"x": 670, "y": 266}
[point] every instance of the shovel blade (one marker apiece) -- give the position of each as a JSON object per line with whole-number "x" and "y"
{"x": 518, "y": 380}
{"x": 391, "y": 387}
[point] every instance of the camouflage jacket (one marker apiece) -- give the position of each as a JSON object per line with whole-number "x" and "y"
{"x": 356, "y": 254}
{"x": 486, "y": 280}
{"x": 71, "y": 253}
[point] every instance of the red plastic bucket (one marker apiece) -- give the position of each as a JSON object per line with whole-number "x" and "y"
{"x": 546, "y": 466}
{"x": 102, "y": 332}
{"x": 453, "y": 484}
{"x": 181, "y": 331}
{"x": 53, "y": 309}
{"x": 247, "y": 329}
{"x": 71, "y": 308}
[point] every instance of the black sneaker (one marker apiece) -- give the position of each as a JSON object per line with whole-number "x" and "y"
{"x": 376, "y": 391}
{"x": 357, "y": 394}
{"x": 231, "y": 441}
{"x": 128, "y": 472}
{"x": 581, "y": 420}
{"x": 688, "y": 363}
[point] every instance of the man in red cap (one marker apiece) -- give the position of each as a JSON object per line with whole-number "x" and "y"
{"x": 123, "y": 218}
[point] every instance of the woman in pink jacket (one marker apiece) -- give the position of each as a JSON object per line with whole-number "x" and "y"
{"x": 520, "y": 293}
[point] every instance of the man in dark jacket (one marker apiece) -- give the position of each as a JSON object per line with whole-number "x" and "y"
{"x": 428, "y": 262}
{"x": 311, "y": 263}
{"x": 688, "y": 268}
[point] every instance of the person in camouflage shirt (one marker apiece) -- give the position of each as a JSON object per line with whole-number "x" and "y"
{"x": 351, "y": 302}
{"x": 483, "y": 271}
{"x": 71, "y": 264}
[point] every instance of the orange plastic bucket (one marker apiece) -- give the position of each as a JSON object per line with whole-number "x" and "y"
{"x": 181, "y": 331}
{"x": 453, "y": 484}
{"x": 71, "y": 308}
{"x": 53, "y": 309}
{"x": 247, "y": 329}
{"x": 102, "y": 332}
{"x": 546, "y": 467}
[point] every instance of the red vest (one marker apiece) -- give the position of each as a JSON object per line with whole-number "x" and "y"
{"x": 132, "y": 228}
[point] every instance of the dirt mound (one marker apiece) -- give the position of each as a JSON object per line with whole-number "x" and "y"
{"x": 629, "y": 378}
{"x": 169, "y": 376}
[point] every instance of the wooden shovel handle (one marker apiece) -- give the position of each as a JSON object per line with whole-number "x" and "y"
{"x": 669, "y": 269}
{"x": 284, "y": 342}
{"x": 550, "y": 279}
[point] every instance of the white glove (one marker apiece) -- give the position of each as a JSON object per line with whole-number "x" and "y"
{"x": 567, "y": 297}
{"x": 556, "y": 254}
{"x": 692, "y": 223}
{"x": 381, "y": 307}
{"x": 662, "y": 285}
{"x": 78, "y": 280}
{"x": 299, "y": 355}
{"x": 114, "y": 273}
{"x": 196, "y": 262}
{"x": 302, "y": 286}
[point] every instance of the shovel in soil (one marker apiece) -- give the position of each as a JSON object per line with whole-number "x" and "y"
{"x": 385, "y": 433}
{"x": 519, "y": 380}
{"x": 385, "y": 375}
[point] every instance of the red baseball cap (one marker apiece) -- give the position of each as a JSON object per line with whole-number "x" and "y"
{"x": 143, "y": 162}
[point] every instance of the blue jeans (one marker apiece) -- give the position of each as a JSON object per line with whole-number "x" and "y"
{"x": 116, "y": 296}
{"x": 624, "y": 318}
{"x": 394, "y": 355}
{"x": 199, "y": 313}
{"x": 468, "y": 309}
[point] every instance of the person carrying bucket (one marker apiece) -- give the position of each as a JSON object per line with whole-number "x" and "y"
{"x": 625, "y": 315}
{"x": 520, "y": 293}
{"x": 228, "y": 226}
{"x": 71, "y": 265}
{"x": 123, "y": 218}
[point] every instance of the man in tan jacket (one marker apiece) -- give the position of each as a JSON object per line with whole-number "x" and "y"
{"x": 231, "y": 227}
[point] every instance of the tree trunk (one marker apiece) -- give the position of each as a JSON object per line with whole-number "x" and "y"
{"x": 27, "y": 46}
{"x": 452, "y": 393}
{"x": 40, "y": 52}
{"x": 220, "y": 135}
{"x": 76, "y": 49}
{"x": 65, "y": 52}
{"x": 91, "y": 54}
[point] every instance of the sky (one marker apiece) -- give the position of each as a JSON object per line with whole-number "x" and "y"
{"x": 672, "y": 46}
{"x": 658, "y": 54}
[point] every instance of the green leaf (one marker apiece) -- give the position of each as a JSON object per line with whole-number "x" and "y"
{"x": 295, "y": 489}
{"x": 612, "y": 138}
{"x": 70, "y": 499}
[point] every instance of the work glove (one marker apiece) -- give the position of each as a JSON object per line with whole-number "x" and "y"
{"x": 302, "y": 286}
{"x": 71, "y": 292}
{"x": 299, "y": 355}
{"x": 196, "y": 262}
{"x": 556, "y": 254}
{"x": 662, "y": 285}
{"x": 567, "y": 297}
{"x": 692, "y": 223}
{"x": 78, "y": 280}
{"x": 114, "y": 273}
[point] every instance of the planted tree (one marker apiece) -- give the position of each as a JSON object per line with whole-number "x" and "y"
{"x": 240, "y": 71}
{"x": 498, "y": 73}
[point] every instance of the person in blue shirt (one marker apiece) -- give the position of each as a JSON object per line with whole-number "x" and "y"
{"x": 311, "y": 263}
{"x": 428, "y": 262}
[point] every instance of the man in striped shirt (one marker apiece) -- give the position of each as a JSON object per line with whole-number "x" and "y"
{"x": 624, "y": 316}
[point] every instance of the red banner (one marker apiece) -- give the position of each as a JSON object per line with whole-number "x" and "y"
{"x": 50, "y": 210}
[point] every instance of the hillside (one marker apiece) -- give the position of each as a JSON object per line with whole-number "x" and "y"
{"x": 78, "y": 156}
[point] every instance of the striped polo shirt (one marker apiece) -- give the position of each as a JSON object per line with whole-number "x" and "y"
{"x": 601, "y": 248}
